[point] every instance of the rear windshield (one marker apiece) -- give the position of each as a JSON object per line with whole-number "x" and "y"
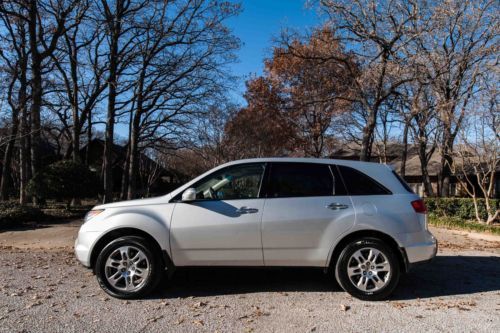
{"x": 403, "y": 182}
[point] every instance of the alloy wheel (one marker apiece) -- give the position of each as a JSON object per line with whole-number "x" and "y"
{"x": 369, "y": 269}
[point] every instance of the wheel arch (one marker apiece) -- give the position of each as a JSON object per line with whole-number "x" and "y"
{"x": 400, "y": 252}
{"x": 122, "y": 232}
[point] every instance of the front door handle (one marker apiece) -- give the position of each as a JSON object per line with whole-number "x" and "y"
{"x": 246, "y": 210}
{"x": 336, "y": 206}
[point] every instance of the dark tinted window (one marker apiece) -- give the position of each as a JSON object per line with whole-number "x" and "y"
{"x": 300, "y": 180}
{"x": 358, "y": 183}
{"x": 402, "y": 181}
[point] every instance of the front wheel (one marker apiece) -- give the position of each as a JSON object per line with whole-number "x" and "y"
{"x": 128, "y": 268}
{"x": 368, "y": 269}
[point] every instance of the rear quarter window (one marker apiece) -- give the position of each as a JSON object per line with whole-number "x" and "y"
{"x": 403, "y": 182}
{"x": 358, "y": 183}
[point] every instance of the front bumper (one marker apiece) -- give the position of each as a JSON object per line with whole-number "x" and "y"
{"x": 83, "y": 246}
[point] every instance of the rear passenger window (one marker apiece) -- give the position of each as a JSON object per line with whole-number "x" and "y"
{"x": 300, "y": 180}
{"x": 357, "y": 183}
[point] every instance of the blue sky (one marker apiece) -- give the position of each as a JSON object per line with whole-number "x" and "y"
{"x": 259, "y": 22}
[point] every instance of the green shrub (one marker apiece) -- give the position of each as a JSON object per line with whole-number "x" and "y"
{"x": 462, "y": 208}
{"x": 15, "y": 215}
{"x": 64, "y": 180}
{"x": 458, "y": 223}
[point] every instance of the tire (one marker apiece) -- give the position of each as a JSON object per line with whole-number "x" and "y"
{"x": 129, "y": 268}
{"x": 357, "y": 274}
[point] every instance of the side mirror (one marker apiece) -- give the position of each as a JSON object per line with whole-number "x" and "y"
{"x": 189, "y": 194}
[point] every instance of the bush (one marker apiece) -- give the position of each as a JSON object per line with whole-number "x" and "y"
{"x": 462, "y": 208}
{"x": 64, "y": 180}
{"x": 457, "y": 223}
{"x": 14, "y": 215}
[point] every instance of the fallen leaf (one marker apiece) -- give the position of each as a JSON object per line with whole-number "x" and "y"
{"x": 344, "y": 307}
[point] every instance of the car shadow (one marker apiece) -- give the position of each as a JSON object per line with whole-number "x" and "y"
{"x": 451, "y": 275}
{"x": 444, "y": 276}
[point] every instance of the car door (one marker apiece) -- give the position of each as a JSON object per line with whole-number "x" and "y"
{"x": 222, "y": 226}
{"x": 306, "y": 209}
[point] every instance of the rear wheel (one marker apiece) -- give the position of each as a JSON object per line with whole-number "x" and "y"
{"x": 128, "y": 268}
{"x": 368, "y": 269}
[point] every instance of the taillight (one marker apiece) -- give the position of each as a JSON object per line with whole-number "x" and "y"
{"x": 419, "y": 206}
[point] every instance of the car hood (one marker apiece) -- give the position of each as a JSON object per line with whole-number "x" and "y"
{"x": 138, "y": 202}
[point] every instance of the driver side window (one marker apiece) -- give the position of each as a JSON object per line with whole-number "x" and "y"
{"x": 234, "y": 182}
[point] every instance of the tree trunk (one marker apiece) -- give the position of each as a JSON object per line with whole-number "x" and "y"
{"x": 110, "y": 120}
{"x": 404, "y": 157}
{"x": 446, "y": 165}
{"x": 75, "y": 137}
{"x": 75, "y": 134}
{"x": 23, "y": 157}
{"x": 108, "y": 145}
{"x": 126, "y": 168}
{"x": 134, "y": 158}
{"x": 476, "y": 209}
{"x": 368, "y": 132}
{"x": 422, "y": 155}
{"x": 7, "y": 158}
{"x": 36, "y": 91}
{"x": 89, "y": 137}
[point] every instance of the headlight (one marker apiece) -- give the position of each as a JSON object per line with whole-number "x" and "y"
{"x": 92, "y": 213}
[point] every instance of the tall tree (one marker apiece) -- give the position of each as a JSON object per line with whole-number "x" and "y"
{"x": 461, "y": 39}
{"x": 46, "y": 22}
{"x": 261, "y": 129}
{"x": 80, "y": 65}
{"x": 15, "y": 67}
{"x": 315, "y": 88}
{"x": 181, "y": 55}
{"x": 377, "y": 33}
{"x": 119, "y": 18}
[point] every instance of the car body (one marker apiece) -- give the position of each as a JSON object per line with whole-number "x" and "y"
{"x": 267, "y": 212}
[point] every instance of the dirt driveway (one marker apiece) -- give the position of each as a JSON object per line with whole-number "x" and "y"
{"x": 44, "y": 289}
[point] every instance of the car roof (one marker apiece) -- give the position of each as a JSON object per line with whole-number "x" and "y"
{"x": 355, "y": 164}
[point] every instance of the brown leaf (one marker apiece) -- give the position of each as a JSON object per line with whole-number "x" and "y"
{"x": 344, "y": 307}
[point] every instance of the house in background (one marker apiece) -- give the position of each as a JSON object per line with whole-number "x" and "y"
{"x": 153, "y": 179}
{"x": 392, "y": 155}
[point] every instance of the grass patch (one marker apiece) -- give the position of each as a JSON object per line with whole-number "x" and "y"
{"x": 458, "y": 223}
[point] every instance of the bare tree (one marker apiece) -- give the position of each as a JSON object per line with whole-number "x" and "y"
{"x": 477, "y": 159}
{"x": 118, "y": 18}
{"x": 80, "y": 69}
{"x": 180, "y": 63}
{"x": 459, "y": 41}
{"x": 16, "y": 66}
{"x": 424, "y": 127}
{"x": 377, "y": 33}
{"x": 210, "y": 144}
{"x": 46, "y": 22}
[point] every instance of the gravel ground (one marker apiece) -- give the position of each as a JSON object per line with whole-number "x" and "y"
{"x": 44, "y": 289}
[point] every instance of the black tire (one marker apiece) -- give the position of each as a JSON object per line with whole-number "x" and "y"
{"x": 147, "y": 284}
{"x": 344, "y": 260}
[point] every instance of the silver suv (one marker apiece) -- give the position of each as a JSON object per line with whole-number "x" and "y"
{"x": 357, "y": 219}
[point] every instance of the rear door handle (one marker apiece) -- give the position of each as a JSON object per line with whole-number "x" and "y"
{"x": 336, "y": 206}
{"x": 246, "y": 210}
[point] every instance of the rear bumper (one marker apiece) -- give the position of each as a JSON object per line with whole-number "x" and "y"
{"x": 420, "y": 248}
{"x": 421, "y": 252}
